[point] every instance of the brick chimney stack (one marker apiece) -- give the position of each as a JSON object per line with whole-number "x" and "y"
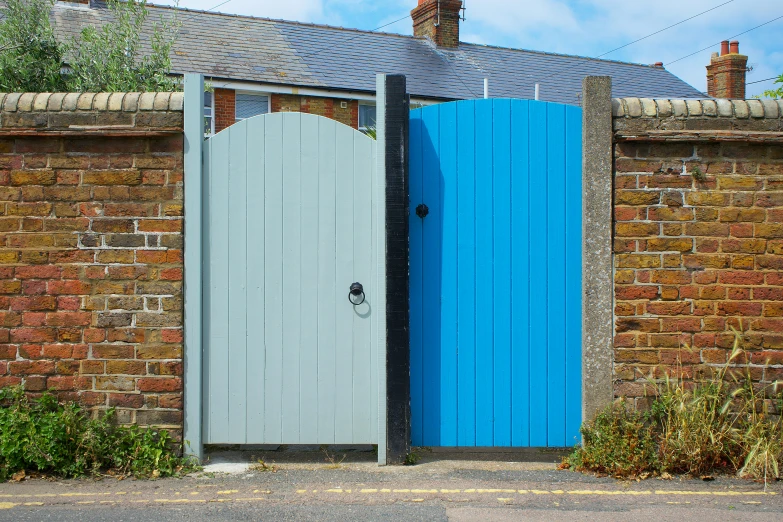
{"x": 438, "y": 20}
{"x": 727, "y": 72}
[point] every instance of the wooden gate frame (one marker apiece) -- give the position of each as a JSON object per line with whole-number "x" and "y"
{"x": 390, "y": 216}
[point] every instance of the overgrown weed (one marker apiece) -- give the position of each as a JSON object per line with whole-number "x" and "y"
{"x": 719, "y": 422}
{"x": 62, "y": 439}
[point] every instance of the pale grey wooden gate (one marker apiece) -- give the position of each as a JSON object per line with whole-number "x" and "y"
{"x": 287, "y": 228}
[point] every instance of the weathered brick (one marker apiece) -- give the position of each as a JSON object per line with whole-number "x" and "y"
{"x": 633, "y": 197}
{"x": 113, "y": 226}
{"x": 119, "y": 177}
{"x": 160, "y": 384}
{"x": 33, "y": 177}
{"x": 671, "y": 277}
{"x": 126, "y": 367}
{"x": 739, "y": 308}
{"x": 669, "y": 308}
{"x": 707, "y": 229}
{"x": 670, "y": 245}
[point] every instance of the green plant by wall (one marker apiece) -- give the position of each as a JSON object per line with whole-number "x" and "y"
{"x": 47, "y": 436}
{"x": 109, "y": 58}
{"x": 722, "y": 422}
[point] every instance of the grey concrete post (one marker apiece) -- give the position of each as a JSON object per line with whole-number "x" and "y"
{"x": 597, "y": 273}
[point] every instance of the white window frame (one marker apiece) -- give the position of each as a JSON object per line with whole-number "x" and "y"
{"x": 209, "y": 112}
{"x": 365, "y": 103}
{"x": 253, "y": 93}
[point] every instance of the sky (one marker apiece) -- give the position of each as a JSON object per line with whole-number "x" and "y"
{"x": 580, "y": 27}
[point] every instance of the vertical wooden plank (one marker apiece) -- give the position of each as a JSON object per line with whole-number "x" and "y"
{"x": 327, "y": 294}
{"x": 378, "y": 314}
{"x": 273, "y": 278}
{"x": 556, "y": 281}
{"x": 449, "y": 281}
{"x": 573, "y": 277}
{"x": 416, "y": 279}
{"x": 256, "y": 360}
{"x": 363, "y": 395}
{"x": 308, "y": 362}
{"x": 520, "y": 274}
{"x": 195, "y": 166}
{"x": 485, "y": 309}
{"x": 466, "y": 269}
{"x": 218, "y": 303}
{"x": 345, "y": 219}
{"x": 539, "y": 274}
{"x": 431, "y": 273}
{"x": 292, "y": 273}
{"x": 206, "y": 307}
{"x": 502, "y": 270}
{"x": 237, "y": 283}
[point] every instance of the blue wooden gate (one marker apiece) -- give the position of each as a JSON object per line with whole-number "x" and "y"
{"x": 496, "y": 274}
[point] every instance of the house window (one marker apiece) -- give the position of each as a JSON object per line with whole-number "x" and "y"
{"x": 249, "y": 105}
{"x": 209, "y": 119}
{"x": 366, "y": 117}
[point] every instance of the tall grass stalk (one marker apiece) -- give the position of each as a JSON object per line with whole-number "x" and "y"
{"x": 720, "y": 421}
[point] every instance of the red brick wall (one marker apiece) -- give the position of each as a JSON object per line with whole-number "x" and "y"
{"x": 91, "y": 251}
{"x": 328, "y": 107}
{"x": 225, "y": 108}
{"x": 698, "y": 247}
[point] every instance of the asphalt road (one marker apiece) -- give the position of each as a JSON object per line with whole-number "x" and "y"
{"x": 490, "y": 489}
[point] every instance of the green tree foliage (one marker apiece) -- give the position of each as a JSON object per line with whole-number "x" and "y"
{"x": 113, "y": 59}
{"x": 125, "y": 54}
{"x": 776, "y": 94}
{"x": 30, "y": 57}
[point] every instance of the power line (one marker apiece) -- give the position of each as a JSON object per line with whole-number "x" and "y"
{"x": 664, "y": 29}
{"x": 460, "y": 77}
{"x": 731, "y": 38}
{"x": 713, "y": 45}
{"x": 762, "y": 81}
{"x": 224, "y": 3}
{"x": 357, "y": 36}
{"x": 646, "y": 37}
{"x": 635, "y": 41}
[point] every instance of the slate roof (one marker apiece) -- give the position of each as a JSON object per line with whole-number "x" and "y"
{"x": 305, "y": 55}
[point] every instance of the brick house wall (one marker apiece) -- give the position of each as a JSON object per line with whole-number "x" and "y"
{"x": 91, "y": 245}
{"x": 328, "y": 107}
{"x": 698, "y": 238}
{"x": 225, "y": 107}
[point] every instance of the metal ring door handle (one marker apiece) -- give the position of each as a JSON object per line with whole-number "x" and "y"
{"x": 356, "y": 295}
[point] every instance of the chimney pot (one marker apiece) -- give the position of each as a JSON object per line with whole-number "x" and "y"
{"x": 659, "y": 64}
{"x": 726, "y": 74}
